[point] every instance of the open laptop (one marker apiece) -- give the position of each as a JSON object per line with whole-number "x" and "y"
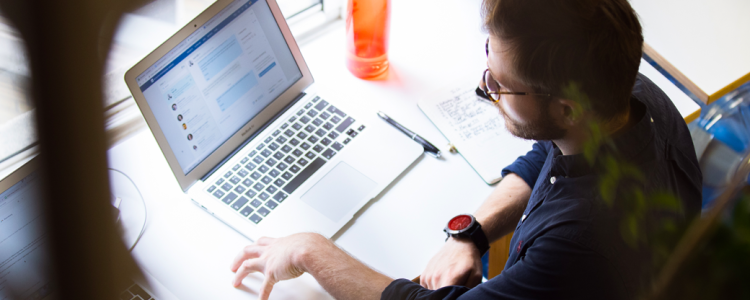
{"x": 24, "y": 257}
{"x": 232, "y": 105}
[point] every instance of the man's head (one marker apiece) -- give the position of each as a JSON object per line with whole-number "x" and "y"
{"x": 544, "y": 46}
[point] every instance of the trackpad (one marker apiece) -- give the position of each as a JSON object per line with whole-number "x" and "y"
{"x": 339, "y": 191}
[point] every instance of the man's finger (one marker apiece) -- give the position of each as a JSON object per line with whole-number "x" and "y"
{"x": 265, "y": 289}
{"x": 251, "y": 251}
{"x": 247, "y": 267}
{"x": 264, "y": 241}
{"x": 423, "y": 280}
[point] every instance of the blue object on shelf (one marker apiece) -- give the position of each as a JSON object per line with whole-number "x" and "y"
{"x": 721, "y": 136}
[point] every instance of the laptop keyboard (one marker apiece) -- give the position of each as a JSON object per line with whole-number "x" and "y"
{"x": 285, "y": 159}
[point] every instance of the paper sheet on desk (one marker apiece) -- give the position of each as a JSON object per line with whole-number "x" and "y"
{"x": 477, "y": 130}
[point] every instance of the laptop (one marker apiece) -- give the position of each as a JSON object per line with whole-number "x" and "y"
{"x": 232, "y": 105}
{"x": 24, "y": 257}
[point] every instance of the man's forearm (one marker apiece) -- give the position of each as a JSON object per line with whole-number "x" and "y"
{"x": 341, "y": 275}
{"x": 500, "y": 213}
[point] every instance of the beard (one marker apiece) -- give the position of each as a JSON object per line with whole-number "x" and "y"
{"x": 541, "y": 128}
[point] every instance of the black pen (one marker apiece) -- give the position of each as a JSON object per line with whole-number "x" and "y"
{"x": 428, "y": 147}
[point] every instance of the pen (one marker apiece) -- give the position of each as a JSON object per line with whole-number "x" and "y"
{"x": 428, "y": 147}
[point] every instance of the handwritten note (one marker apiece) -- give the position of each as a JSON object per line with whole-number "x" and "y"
{"x": 471, "y": 117}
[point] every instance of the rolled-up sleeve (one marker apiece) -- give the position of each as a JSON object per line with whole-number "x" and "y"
{"x": 530, "y": 165}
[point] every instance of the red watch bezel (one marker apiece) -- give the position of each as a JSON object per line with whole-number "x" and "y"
{"x": 452, "y": 231}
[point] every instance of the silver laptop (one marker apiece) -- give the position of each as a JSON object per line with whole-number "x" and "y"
{"x": 232, "y": 105}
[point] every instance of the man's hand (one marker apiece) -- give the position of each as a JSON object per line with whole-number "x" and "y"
{"x": 278, "y": 259}
{"x": 457, "y": 263}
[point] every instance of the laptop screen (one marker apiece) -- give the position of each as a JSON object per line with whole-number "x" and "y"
{"x": 217, "y": 79}
{"x": 23, "y": 239}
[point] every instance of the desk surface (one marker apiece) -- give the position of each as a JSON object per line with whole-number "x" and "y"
{"x": 397, "y": 233}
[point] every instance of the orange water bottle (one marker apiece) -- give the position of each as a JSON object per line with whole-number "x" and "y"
{"x": 367, "y": 24}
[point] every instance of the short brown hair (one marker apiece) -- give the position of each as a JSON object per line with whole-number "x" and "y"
{"x": 596, "y": 44}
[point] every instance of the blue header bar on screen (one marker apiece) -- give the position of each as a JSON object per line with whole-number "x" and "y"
{"x": 197, "y": 44}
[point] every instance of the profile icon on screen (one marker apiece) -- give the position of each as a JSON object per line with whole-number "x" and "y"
{"x": 184, "y": 126}
{"x": 195, "y": 147}
{"x": 169, "y": 96}
{"x": 174, "y": 106}
{"x": 190, "y": 136}
{"x": 179, "y": 117}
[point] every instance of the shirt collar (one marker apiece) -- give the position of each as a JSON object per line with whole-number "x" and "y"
{"x": 626, "y": 145}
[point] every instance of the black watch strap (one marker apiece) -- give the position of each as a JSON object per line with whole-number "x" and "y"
{"x": 480, "y": 239}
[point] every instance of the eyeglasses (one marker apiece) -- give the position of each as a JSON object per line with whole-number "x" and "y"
{"x": 491, "y": 90}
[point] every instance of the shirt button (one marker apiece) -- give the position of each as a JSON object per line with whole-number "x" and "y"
{"x": 552, "y": 180}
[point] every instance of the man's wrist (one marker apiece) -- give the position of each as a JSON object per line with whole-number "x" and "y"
{"x": 303, "y": 256}
{"x": 465, "y": 242}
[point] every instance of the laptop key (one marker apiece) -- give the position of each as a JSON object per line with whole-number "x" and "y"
{"x": 286, "y": 148}
{"x": 292, "y": 119}
{"x": 309, "y": 128}
{"x": 310, "y": 155}
{"x": 321, "y": 105}
{"x": 268, "y": 139}
{"x": 347, "y": 140}
{"x": 270, "y": 204}
{"x": 304, "y": 119}
{"x": 259, "y": 187}
{"x": 229, "y": 198}
{"x": 317, "y": 122}
{"x": 250, "y": 166}
{"x": 316, "y": 99}
{"x": 361, "y": 128}
{"x": 252, "y": 153}
{"x": 271, "y": 189}
{"x": 218, "y": 194}
{"x": 278, "y": 155}
{"x": 274, "y": 173}
{"x": 328, "y": 154}
{"x": 213, "y": 187}
{"x": 235, "y": 180}
{"x": 301, "y": 135}
{"x": 226, "y": 186}
{"x": 279, "y": 182}
{"x": 239, "y": 203}
{"x": 345, "y": 124}
{"x": 294, "y": 142}
{"x": 258, "y": 159}
{"x": 266, "y": 179}
{"x": 248, "y": 182}
{"x": 284, "y": 126}
{"x": 263, "y": 169}
{"x": 255, "y": 175}
{"x": 244, "y": 160}
{"x": 333, "y": 135}
{"x": 282, "y": 166}
{"x": 255, "y": 218}
{"x": 277, "y": 132}
{"x": 273, "y": 146}
{"x": 286, "y": 176}
{"x": 250, "y": 194}
{"x": 328, "y": 126}
{"x": 281, "y": 140}
{"x": 304, "y": 175}
{"x": 302, "y": 162}
{"x": 288, "y": 132}
{"x": 279, "y": 197}
{"x": 246, "y": 211}
{"x": 256, "y": 203}
{"x": 324, "y": 115}
{"x": 229, "y": 173}
{"x": 239, "y": 189}
{"x": 351, "y": 132}
{"x": 296, "y": 126}
{"x": 332, "y": 109}
{"x": 289, "y": 159}
{"x": 318, "y": 148}
{"x": 263, "y": 211}
{"x": 243, "y": 173}
{"x": 220, "y": 181}
{"x": 297, "y": 152}
{"x": 337, "y": 146}
{"x": 300, "y": 112}
{"x": 263, "y": 196}
{"x": 312, "y": 113}
{"x": 335, "y": 119}
{"x": 308, "y": 105}
{"x": 236, "y": 167}
{"x": 325, "y": 141}
{"x": 320, "y": 132}
{"x": 313, "y": 139}
{"x": 305, "y": 146}
{"x": 294, "y": 168}
{"x": 266, "y": 153}
{"x": 271, "y": 162}
{"x": 259, "y": 147}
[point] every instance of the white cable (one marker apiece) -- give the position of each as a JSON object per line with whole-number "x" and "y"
{"x": 145, "y": 212}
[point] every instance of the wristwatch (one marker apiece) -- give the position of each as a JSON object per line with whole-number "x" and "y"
{"x": 467, "y": 227}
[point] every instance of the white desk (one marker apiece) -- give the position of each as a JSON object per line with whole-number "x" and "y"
{"x": 396, "y": 233}
{"x": 433, "y": 45}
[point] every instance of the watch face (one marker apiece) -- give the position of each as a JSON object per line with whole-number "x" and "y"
{"x": 460, "y": 222}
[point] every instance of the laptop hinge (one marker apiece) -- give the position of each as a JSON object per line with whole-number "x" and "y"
{"x": 253, "y": 136}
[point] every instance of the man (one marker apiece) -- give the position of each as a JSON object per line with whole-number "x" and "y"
{"x": 564, "y": 73}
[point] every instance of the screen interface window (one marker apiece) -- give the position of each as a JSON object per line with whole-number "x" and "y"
{"x": 216, "y": 80}
{"x": 23, "y": 241}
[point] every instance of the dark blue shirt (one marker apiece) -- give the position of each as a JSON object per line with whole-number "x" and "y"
{"x": 569, "y": 244}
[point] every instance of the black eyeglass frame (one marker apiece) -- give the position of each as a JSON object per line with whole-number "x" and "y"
{"x": 488, "y": 95}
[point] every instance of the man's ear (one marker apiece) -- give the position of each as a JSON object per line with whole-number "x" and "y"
{"x": 571, "y": 112}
